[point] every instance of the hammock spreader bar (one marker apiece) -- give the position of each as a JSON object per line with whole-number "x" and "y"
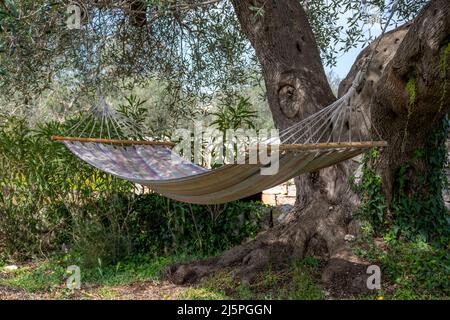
{"x": 281, "y": 147}
{"x": 114, "y": 141}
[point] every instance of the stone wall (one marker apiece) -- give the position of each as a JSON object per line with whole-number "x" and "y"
{"x": 280, "y": 195}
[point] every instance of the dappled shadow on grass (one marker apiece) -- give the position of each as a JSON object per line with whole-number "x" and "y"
{"x": 134, "y": 278}
{"x": 139, "y": 278}
{"x": 411, "y": 270}
{"x": 297, "y": 280}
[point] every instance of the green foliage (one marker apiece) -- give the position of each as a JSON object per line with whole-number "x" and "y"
{"x": 48, "y": 198}
{"x": 411, "y": 270}
{"x": 135, "y": 109}
{"x": 235, "y": 115}
{"x": 200, "y": 48}
{"x": 411, "y": 87}
{"x": 162, "y": 225}
{"x": 202, "y": 294}
{"x": 369, "y": 189}
{"x": 444, "y": 60}
{"x": 411, "y": 215}
{"x": 296, "y": 281}
{"x": 50, "y": 275}
{"x": 138, "y": 267}
{"x": 303, "y": 286}
{"x": 444, "y": 67}
{"x": 257, "y": 12}
{"x": 51, "y": 202}
{"x": 46, "y": 276}
{"x": 423, "y": 215}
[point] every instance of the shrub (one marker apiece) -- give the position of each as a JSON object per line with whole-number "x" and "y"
{"x": 45, "y": 191}
{"x": 162, "y": 225}
{"x": 51, "y": 201}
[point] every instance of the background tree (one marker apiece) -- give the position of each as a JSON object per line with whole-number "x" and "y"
{"x": 203, "y": 48}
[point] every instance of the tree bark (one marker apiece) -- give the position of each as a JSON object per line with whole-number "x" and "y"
{"x": 411, "y": 52}
{"x": 296, "y": 88}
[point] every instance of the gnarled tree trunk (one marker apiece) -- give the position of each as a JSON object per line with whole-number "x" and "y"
{"x": 296, "y": 88}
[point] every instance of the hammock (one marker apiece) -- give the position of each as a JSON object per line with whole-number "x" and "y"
{"x": 155, "y": 166}
{"x": 319, "y": 141}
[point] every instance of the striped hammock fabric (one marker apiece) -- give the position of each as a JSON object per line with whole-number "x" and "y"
{"x": 138, "y": 163}
{"x": 164, "y": 172}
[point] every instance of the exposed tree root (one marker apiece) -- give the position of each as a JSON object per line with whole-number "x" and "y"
{"x": 318, "y": 230}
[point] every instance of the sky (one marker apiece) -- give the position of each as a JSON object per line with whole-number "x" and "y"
{"x": 345, "y": 62}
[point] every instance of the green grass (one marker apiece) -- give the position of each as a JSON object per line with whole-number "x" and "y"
{"x": 297, "y": 281}
{"x": 410, "y": 270}
{"x": 135, "y": 269}
{"x": 43, "y": 277}
{"x": 203, "y": 294}
{"x": 51, "y": 275}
